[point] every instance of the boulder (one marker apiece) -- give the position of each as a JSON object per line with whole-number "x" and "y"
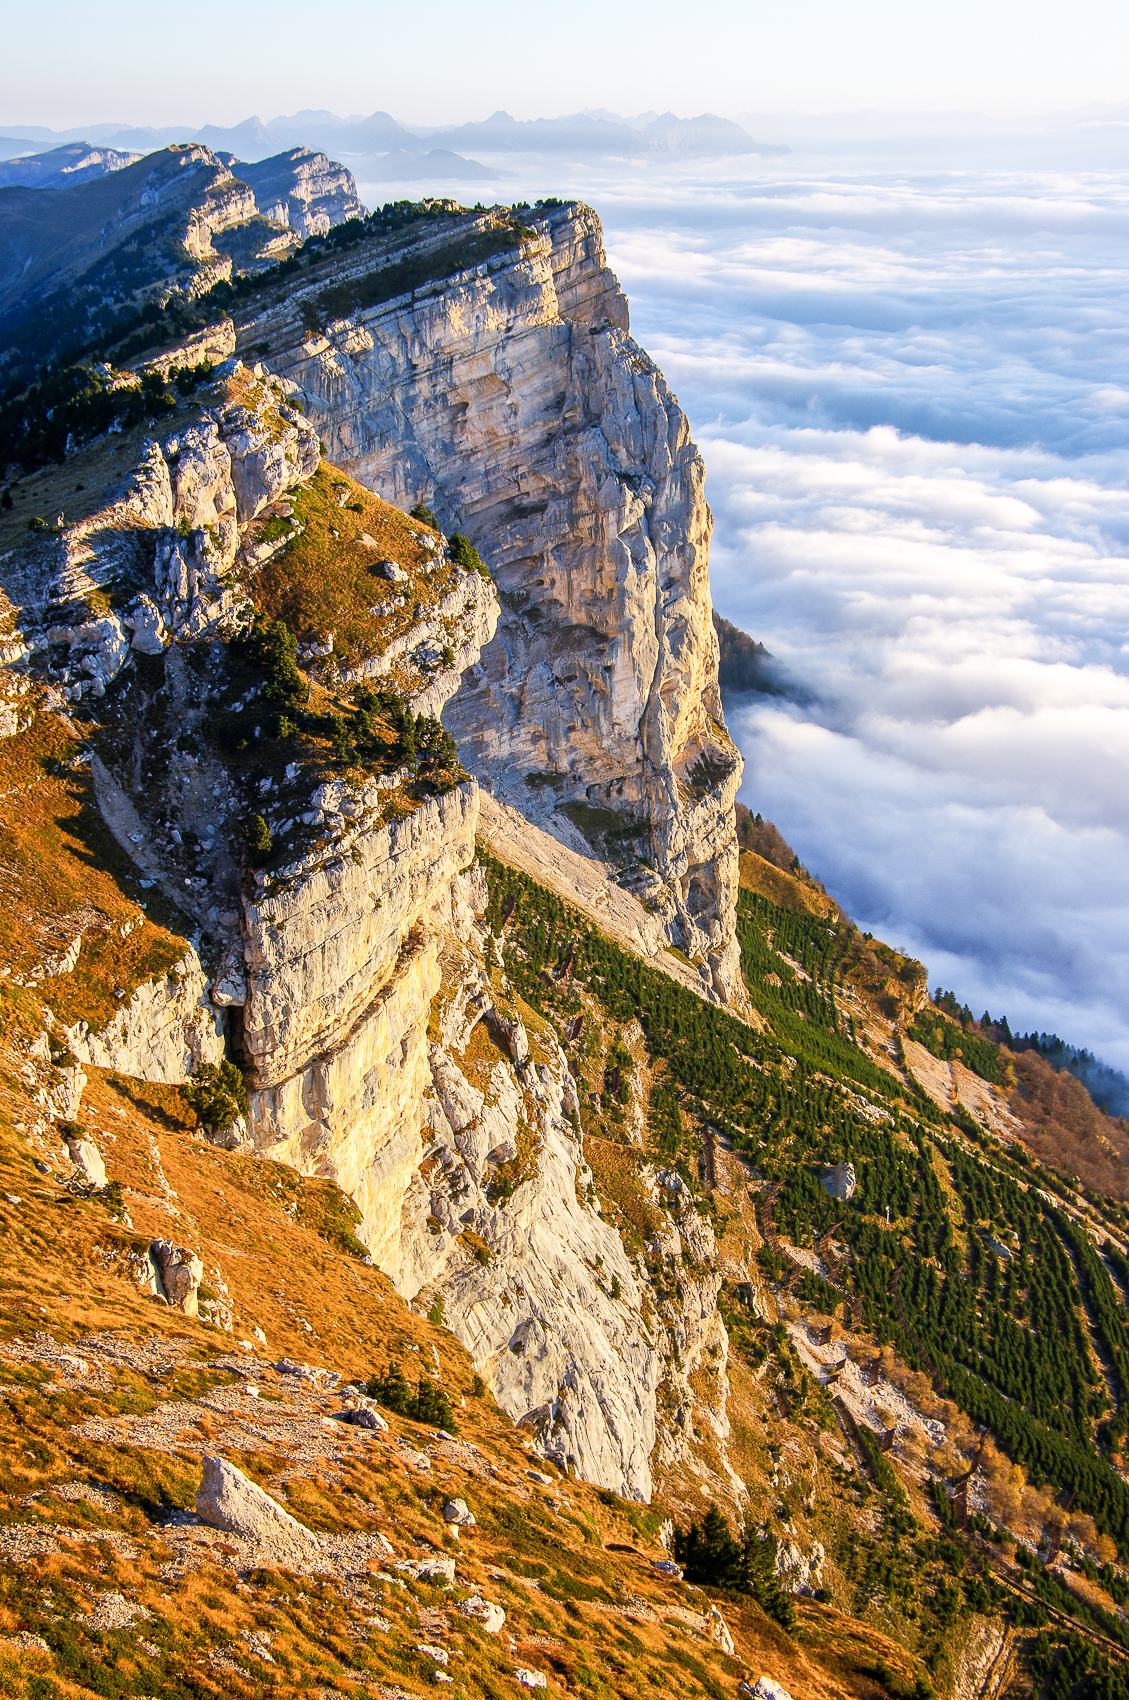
{"x": 484, "y": 1612}
{"x": 181, "y": 1272}
{"x": 147, "y": 624}
{"x": 458, "y": 1512}
{"x": 719, "y": 1631}
{"x": 226, "y": 1499}
{"x": 365, "y": 1417}
{"x": 437, "y": 1570}
{"x": 530, "y": 1678}
{"x": 87, "y": 1159}
{"x": 840, "y": 1181}
{"x": 764, "y": 1689}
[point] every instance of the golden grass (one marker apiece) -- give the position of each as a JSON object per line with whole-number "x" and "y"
{"x": 324, "y": 580}
{"x": 61, "y": 873}
{"x": 785, "y": 890}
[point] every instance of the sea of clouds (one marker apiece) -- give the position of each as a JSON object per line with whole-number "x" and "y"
{"x": 911, "y": 389}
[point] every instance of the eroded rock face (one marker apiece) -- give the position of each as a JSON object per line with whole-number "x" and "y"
{"x": 304, "y": 190}
{"x": 181, "y": 1273}
{"x": 502, "y": 1223}
{"x": 87, "y": 1159}
{"x": 164, "y": 542}
{"x": 515, "y": 403}
{"x": 165, "y": 1031}
{"x": 340, "y": 979}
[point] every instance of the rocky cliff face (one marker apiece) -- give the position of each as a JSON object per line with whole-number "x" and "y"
{"x": 303, "y": 190}
{"x": 351, "y": 975}
{"x": 512, "y": 399}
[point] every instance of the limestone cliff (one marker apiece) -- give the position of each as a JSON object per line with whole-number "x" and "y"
{"x": 511, "y": 398}
{"x": 312, "y": 832}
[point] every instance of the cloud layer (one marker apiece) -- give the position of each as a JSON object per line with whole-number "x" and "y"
{"x": 912, "y": 393}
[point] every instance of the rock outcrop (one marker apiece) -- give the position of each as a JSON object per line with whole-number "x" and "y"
{"x": 181, "y": 1272}
{"x": 340, "y": 978}
{"x": 305, "y": 191}
{"x": 512, "y": 399}
{"x": 164, "y": 1032}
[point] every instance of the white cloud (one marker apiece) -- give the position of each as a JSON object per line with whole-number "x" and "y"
{"x": 913, "y": 401}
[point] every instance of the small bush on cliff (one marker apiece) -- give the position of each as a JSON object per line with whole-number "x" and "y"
{"x": 271, "y": 645}
{"x": 218, "y": 1095}
{"x": 424, "y": 515}
{"x": 259, "y": 841}
{"x": 428, "y": 1404}
{"x": 463, "y": 552}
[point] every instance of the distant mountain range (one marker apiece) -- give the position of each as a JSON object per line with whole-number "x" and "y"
{"x": 74, "y": 162}
{"x": 588, "y": 133}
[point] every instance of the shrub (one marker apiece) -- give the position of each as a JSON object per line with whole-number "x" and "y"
{"x": 424, "y": 515}
{"x": 258, "y": 841}
{"x": 428, "y": 1404}
{"x": 463, "y": 552}
{"x": 218, "y": 1096}
{"x": 711, "y": 1557}
{"x": 271, "y": 644}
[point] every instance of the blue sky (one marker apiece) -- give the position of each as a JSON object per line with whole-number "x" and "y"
{"x": 69, "y": 62}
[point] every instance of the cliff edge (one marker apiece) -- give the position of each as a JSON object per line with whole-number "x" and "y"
{"x": 508, "y": 395}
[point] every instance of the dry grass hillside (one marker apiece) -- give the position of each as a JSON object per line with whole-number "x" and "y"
{"x": 109, "y": 1583}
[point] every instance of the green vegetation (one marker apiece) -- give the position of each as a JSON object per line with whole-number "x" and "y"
{"x": 745, "y": 665}
{"x": 945, "y": 1039}
{"x": 271, "y": 646}
{"x": 1001, "y": 1330}
{"x": 374, "y": 732}
{"x": 74, "y": 403}
{"x": 404, "y": 277}
{"x": 1070, "y": 1668}
{"x": 428, "y": 1404}
{"x": 218, "y": 1096}
{"x": 465, "y": 555}
{"x": 711, "y": 1557}
{"x": 258, "y": 842}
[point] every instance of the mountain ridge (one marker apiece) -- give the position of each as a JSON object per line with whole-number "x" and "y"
{"x": 697, "y": 1211}
{"x": 381, "y": 133}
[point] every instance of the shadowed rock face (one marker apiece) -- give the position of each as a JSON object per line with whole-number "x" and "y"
{"x": 515, "y": 403}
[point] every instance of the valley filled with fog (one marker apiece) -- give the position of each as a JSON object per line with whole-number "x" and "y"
{"x": 911, "y": 387}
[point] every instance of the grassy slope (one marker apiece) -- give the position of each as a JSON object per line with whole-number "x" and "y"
{"x": 61, "y": 875}
{"x": 257, "y": 1229}
{"x": 325, "y": 580}
{"x": 583, "y": 1602}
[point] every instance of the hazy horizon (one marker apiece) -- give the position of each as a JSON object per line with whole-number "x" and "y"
{"x": 63, "y": 58}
